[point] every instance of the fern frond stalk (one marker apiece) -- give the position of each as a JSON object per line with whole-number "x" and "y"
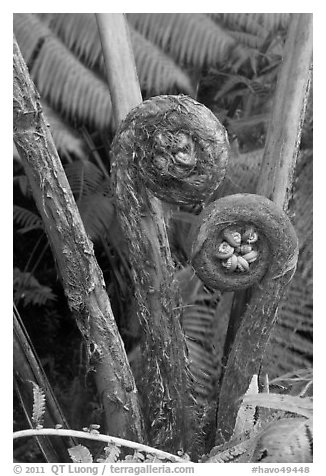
{"x": 173, "y": 148}
{"x": 284, "y": 132}
{"x": 277, "y": 246}
{"x": 82, "y": 278}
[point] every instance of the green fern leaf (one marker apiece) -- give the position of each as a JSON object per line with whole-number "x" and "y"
{"x": 80, "y": 454}
{"x": 38, "y": 405}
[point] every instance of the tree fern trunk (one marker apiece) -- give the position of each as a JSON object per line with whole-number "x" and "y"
{"x": 82, "y": 278}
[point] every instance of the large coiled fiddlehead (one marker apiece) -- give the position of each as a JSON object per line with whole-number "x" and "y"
{"x": 173, "y": 148}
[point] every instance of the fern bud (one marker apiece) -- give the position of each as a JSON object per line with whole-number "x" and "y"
{"x": 273, "y": 251}
{"x": 175, "y": 146}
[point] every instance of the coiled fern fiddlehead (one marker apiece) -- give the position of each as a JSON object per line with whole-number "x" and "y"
{"x": 172, "y": 148}
{"x": 245, "y": 240}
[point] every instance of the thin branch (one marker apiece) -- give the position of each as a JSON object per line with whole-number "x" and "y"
{"x": 81, "y": 276}
{"x": 120, "y": 63}
{"x": 98, "y": 437}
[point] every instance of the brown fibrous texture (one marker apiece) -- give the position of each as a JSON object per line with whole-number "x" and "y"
{"x": 178, "y": 148}
{"x": 277, "y": 243}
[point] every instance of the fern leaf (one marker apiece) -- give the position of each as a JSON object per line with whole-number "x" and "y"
{"x": 80, "y": 454}
{"x": 298, "y": 383}
{"x": 248, "y": 22}
{"x": 38, "y": 404}
{"x": 85, "y": 178}
{"x": 192, "y": 39}
{"x": 246, "y": 39}
{"x": 62, "y": 79}
{"x": 29, "y": 290}
{"x": 97, "y": 213}
{"x": 287, "y": 403}
{"x": 288, "y": 440}
{"x": 68, "y": 143}
{"x": 27, "y": 219}
{"x": 245, "y": 420}
{"x": 157, "y": 72}
{"x": 235, "y": 451}
{"x": 23, "y": 183}
{"x": 112, "y": 453}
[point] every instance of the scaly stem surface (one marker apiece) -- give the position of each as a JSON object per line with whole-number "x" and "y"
{"x": 81, "y": 276}
{"x": 173, "y": 147}
{"x": 279, "y": 160}
{"x": 277, "y": 248}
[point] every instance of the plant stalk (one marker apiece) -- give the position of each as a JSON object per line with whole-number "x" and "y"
{"x": 275, "y": 182}
{"x": 81, "y": 276}
{"x": 166, "y": 390}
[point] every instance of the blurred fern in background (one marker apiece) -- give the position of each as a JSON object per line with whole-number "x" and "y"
{"x": 227, "y": 61}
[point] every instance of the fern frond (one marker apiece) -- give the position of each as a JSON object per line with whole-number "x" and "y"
{"x": 157, "y": 72}
{"x": 80, "y": 454}
{"x": 246, "y": 413}
{"x": 23, "y": 183}
{"x": 92, "y": 193}
{"x": 274, "y": 21}
{"x": 286, "y": 403}
{"x": 97, "y": 213}
{"x": 231, "y": 82}
{"x": 112, "y": 453}
{"x": 27, "y": 219}
{"x": 68, "y": 143}
{"x": 247, "y": 39}
{"x": 288, "y": 440}
{"x": 192, "y": 39}
{"x": 298, "y": 382}
{"x": 29, "y": 290}
{"x": 39, "y": 403}
{"x": 259, "y": 24}
{"x": 246, "y": 22}
{"x": 61, "y": 78}
{"x": 85, "y": 178}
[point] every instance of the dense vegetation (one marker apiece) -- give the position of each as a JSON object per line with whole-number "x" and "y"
{"x": 229, "y": 62}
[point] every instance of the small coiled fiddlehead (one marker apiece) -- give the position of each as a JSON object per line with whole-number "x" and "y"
{"x": 265, "y": 244}
{"x": 172, "y": 148}
{"x": 245, "y": 240}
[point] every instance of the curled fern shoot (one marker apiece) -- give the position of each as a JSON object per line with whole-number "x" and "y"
{"x": 265, "y": 250}
{"x": 173, "y": 149}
